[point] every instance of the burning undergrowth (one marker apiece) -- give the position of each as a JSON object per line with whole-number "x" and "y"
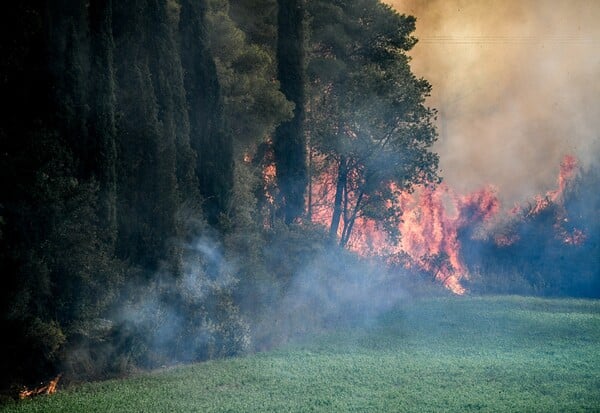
{"x": 548, "y": 246}
{"x": 451, "y": 236}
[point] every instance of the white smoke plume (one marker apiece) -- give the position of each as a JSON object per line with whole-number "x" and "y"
{"x": 516, "y": 83}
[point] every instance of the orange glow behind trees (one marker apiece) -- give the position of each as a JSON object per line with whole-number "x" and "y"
{"x": 432, "y": 222}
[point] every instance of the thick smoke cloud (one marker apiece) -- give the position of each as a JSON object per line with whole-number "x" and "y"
{"x": 516, "y": 85}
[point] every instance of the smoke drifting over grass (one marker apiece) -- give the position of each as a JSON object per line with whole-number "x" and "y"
{"x": 516, "y": 85}
{"x": 332, "y": 290}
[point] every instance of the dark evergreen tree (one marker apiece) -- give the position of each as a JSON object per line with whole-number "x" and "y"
{"x": 253, "y": 105}
{"x": 214, "y": 149}
{"x": 167, "y": 76}
{"x": 102, "y": 161}
{"x": 257, "y": 19}
{"x": 25, "y": 95}
{"x": 290, "y": 144}
{"x": 71, "y": 95}
{"x": 59, "y": 268}
{"x": 147, "y": 186}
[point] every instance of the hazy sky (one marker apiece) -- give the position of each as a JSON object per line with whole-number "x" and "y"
{"x": 517, "y": 84}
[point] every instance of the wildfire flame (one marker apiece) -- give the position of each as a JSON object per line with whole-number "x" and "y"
{"x": 568, "y": 169}
{"x": 49, "y": 388}
{"x": 433, "y": 219}
{"x": 431, "y": 225}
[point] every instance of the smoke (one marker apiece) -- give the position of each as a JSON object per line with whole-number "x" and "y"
{"x": 516, "y": 86}
{"x": 333, "y": 289}
{"x": 166, "y": 319}
{"x": 192, "y": 316}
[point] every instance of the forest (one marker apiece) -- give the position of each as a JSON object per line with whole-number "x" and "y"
{"x": 185, "y": 180}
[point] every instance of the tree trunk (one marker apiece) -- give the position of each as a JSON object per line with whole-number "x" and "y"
{"x": 339, "y": 194}
{"x": 349, "y": 223}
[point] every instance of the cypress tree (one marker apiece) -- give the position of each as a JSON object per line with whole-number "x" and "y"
{"x": 25, "y": 141}
{"x": 102, "y": 127}
{"x": 167, "y": 75}
{"x": 289, "y": 144}
{"x": 71, "y": 96}
{"x": 147, "y": 196}
{"x": 58, "y": 271}
{"x": 214, "y": 149}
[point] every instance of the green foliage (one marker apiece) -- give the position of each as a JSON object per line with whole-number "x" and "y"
{"x": 147, "y": 149}
{"x": 245, "y": 244}
{"x": 252, "y": 102}
{"x": 102, "y": 121}
{"x": 57, "y": 257}
{"x": 257, "y": 19}
{"x": 367, "y": 109}
{"x": 60, "y": 275}
{"x": 96, "y": 163}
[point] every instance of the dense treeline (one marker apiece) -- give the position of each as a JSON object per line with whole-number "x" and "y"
{"x": 136, "y": 225}
{"x": 102, "y": 147}
{"x": 163, "y": 162}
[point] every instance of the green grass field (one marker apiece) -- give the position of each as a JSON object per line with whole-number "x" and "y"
{"x": 458, "y": 354}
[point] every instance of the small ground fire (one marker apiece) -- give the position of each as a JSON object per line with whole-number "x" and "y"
{"x": 48, "y": 388}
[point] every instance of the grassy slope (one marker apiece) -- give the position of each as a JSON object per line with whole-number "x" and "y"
{"x": 446, "y": 354}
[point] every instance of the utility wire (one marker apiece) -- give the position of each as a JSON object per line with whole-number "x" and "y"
{"x": 507, "y": 39}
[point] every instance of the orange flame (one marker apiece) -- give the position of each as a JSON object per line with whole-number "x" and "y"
{"x": 49, "y": 388}
{"x": 568, "y": 169}
{"x": 433, "y": 218}
{"x": 269, "y": 176}
{"x": 429, "y": 233}
{"x": 430, "y": 230}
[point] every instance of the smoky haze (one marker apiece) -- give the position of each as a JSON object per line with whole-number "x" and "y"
{"x": 516, "y": 86}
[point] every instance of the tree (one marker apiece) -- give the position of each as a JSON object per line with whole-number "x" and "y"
{"x": 147, "y": 169}
{"x": 368, "y": 110}
{"x": 289, "y": 144}
{"x": 58, "y": 269}
{"x": 257, "y": 19}
{"x": 253, "y": 105}
{"x": 213, "y": 147}
{"x": 102, "y": 121}
{"x": 165, "y": 63}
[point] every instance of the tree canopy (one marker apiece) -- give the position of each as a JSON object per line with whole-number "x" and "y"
{"x": 369, "y": 118}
